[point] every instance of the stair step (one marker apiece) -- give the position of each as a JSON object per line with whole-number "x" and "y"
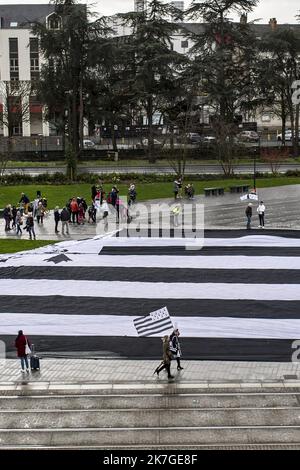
{"x": 139, "y": 401}
{"x": 151, "y": 418}
{"x": 242, "y": 435}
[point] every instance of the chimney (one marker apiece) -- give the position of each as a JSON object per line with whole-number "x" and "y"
{"x": 244, "y": 18}
{"x": 273, "y": 23}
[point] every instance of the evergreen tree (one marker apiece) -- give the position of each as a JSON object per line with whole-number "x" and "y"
{"x": 67, "y": 49}
{"x": 223, "y": 58}
{"x": 155, "y": 60}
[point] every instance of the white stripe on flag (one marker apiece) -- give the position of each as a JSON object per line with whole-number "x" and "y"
{"x": 114, "y": 325}
{"x": 146, "y": 261}
{"x": 149, "y": 290}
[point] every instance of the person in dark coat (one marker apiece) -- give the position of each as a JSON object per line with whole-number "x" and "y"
{"x": 167, "y": 357}
{"x": 7, "y": 217}
{"x": 25, "y": 201}
{"x": 20, "y": 344}
{"x": 56, "y": 218}
{"x": 65, "y": 218}
{"x": 175, "y": 347}
{"x": 249, "y": 215}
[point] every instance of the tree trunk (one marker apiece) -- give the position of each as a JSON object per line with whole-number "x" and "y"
{"x": 114, "y": 137}
{"x": 151, "y": 153}
{"x": 283, "y": 119}
{"x": 296, "y": 146}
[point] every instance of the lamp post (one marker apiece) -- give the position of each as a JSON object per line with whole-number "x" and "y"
{"x": 41, "y": 145}
{"x": 254, "y": 164}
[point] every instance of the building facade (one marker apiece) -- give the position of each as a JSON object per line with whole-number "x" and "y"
{"x": 20, "y": 63}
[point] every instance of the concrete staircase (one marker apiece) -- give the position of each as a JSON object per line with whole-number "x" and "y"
{"x": 149, "y": 416}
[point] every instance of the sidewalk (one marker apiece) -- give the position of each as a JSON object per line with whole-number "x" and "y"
{"x": 107, "y": 371}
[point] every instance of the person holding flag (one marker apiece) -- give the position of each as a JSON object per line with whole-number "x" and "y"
{"x": 167, "y": 358}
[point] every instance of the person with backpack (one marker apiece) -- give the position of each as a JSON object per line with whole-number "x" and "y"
{"x": 23, "y": 349}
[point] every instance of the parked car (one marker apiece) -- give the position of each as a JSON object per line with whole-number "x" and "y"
{"x": 193, "y": 138}
{"x": 209, "y": 139}
{"x": 248, "y": 136}
{"x": 144, "y": 143}
{"x": 288, "y": 136}
{"x": 189, "y": 138}
{"x": 87, "y": 144}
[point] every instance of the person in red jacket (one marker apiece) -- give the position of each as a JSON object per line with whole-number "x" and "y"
{"x": 74, "y": 210}
{"x": 20, "y": 344}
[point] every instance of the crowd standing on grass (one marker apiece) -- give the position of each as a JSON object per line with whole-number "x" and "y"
{"x": 76, "y": 211}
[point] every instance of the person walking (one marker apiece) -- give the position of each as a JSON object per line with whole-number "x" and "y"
{"x": 131, "y": 194}
{"x": 167, "y": 357}
{"x": 7, "y": 217}
{"x": 19, "y": 222}
{"x": 56, "y": 218}
{"x": 23, "y": 349}
{"x": 65, "y": 218}
{"x": 261, "y": 214}
{"x": 175, "y": 347}
{"x": 40, "y": 212}
{"x": 25, "y": 201}
{"x": 248, "y": 213}
{"x": 30, "y": 226}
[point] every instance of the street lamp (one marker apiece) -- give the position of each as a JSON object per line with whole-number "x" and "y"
{"x": 257, "y": 150}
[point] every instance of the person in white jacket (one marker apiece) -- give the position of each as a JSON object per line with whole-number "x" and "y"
{"x": 261, "y": 214}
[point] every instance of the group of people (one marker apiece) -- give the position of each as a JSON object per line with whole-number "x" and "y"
{"x": 261, "y": 214}
{"x": 171, "y": 350}
{"x": 21, "y": 217}
{"x": 189, "y": 189}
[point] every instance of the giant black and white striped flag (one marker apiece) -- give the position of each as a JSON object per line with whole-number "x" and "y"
{"x": 238, "y": 298}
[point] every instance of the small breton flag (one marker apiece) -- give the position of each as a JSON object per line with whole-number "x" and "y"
{"x": 155, "y": 323}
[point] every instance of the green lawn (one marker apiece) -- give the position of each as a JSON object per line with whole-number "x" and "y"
{"x": 59, "y": 195}
{"x": 13, "y": 246}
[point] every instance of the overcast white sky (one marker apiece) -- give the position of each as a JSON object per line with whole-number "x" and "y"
{"x": 284, "y": 11}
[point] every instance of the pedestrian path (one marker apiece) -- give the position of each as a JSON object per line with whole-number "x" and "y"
{"x": 113, "y": 371}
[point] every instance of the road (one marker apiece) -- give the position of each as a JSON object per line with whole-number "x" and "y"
{"x": 190, "y": 169}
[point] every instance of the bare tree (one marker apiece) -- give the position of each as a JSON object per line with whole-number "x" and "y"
{"x": 15, "y": 111}
{"x": 275, "y": 157}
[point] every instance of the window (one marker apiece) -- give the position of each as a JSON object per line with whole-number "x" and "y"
{"x": 14, "y": 65}
{"x": 184, "y": 44}
{"x": 13, "y": 24}
{"x": 13, "y": 59}
{"x": 34, "y": 59}
{"x": 54, "y": 21}
{"x": 18, "y": 129}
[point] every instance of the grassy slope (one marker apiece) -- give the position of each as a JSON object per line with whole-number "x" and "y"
{"x": 13, "y": 246}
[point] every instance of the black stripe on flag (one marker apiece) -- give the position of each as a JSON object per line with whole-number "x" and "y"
{"x": 149, "y": 274}
{"x": 205, "y": 251}
{"x": 288, "y": 309}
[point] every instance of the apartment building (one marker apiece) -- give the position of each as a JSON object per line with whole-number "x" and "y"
{"x": 20, "y": 63}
